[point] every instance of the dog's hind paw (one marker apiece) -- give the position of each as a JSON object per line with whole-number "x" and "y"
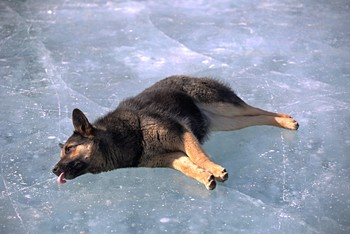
{"x": 288, "y": 123}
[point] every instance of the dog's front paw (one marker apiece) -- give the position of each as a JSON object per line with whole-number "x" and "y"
{"x": 219, "y": 173}
{"x": 211, "y": 183}
{"x": 222, "y": 176}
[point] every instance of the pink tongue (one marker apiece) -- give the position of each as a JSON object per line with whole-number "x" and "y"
{"x": 60, "y": 179}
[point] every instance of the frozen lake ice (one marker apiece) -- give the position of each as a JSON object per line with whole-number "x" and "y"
{"x": 287, "y": 56}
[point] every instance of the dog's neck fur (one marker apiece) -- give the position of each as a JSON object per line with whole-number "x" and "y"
{"x": 116, "y": 136}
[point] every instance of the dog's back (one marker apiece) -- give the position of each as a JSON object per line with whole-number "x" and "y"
{"x": 203, "y": 90}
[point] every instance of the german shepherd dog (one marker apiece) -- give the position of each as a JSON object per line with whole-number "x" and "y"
{"x": 163, "y": 126}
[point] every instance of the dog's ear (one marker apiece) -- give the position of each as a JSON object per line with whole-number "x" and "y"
{"x": 81, "y": 124}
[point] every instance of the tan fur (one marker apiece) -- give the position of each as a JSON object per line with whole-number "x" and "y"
{"x": 181, "y": 162}
{"x": 194, "y": 151}
{"x": 76, "y": 151}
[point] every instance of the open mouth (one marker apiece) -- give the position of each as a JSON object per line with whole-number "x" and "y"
{"x": 60, "y": 179}
{"x": 69, "y": 171}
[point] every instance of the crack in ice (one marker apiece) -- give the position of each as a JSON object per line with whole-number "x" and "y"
{"x": 184, "y": 46}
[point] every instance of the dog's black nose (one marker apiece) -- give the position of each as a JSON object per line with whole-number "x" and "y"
{"x": 56, "y": 170}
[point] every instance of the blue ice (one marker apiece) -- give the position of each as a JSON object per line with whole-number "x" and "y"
{"x": 286, "y": 56}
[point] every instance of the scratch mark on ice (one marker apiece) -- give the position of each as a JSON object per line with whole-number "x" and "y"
{"x": 7, "y": 193}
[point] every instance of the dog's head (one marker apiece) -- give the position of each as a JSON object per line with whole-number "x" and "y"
{"x": 79, "y": 154}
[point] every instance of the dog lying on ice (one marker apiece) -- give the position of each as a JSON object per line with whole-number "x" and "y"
{"x": 163, "y": 126}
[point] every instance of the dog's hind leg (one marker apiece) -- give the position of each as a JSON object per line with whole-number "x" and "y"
{"x": 194, "y": 151}
{"x": 231, "y": 110}
{"x": 222, "y": 123}
{"x": 179, "y": 161}
{"x": 228, "y": 117}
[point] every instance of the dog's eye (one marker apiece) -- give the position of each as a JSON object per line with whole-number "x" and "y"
{"x": 69, "y": 149}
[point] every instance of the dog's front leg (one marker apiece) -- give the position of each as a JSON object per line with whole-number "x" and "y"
{"x": 193, "y": 149}
{"x": 179, "y": 161}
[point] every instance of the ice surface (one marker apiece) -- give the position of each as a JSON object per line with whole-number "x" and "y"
{"x": 287, "y": 56}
